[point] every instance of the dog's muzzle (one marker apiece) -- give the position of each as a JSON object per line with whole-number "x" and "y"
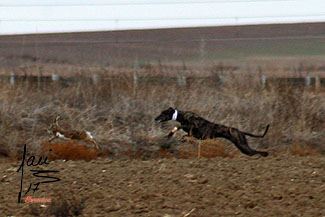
{"x": 158, "y": 120}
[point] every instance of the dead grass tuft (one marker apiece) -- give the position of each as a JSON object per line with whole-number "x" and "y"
{"x": 304, "y": 150}
{"x": 6, "y": 155}
{"x": 66, "y": 207}
{"x": 61, "y": 207}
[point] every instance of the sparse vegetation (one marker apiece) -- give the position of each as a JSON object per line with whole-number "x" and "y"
{"x": 120, "y": 112}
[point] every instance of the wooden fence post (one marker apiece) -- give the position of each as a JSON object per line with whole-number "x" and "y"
{"x": 222, "y": 79}
{"x": 317, "y": 82}
{"x": 264, "y": 81}
{"x": 95, "y": 78}
{"x": 55, "y": 77}
{"x": 135, "y": 76}
{"x": 181, "y": 80}
{"x": 12, "y": 79}
{"x": 308, "y": 80}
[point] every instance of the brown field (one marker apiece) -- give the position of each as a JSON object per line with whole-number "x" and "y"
{"x": 272, "y": 48}
{"x": 115, "y": 90}
{"x": 280, "y": 185}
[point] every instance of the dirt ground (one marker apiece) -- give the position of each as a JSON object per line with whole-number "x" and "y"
{"x": 281, "y": 185}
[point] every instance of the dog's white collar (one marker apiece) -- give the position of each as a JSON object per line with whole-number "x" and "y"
{"x": 175, "y": 115}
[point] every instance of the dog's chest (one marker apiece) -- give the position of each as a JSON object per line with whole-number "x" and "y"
{"x": 195, "y": 132}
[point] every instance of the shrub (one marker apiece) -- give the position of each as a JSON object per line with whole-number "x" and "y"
{"x": 60, "y": 207}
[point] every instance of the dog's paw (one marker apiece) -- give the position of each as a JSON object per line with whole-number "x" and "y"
{"x": 170, "y": 135}
{"x": 172, "y": 132}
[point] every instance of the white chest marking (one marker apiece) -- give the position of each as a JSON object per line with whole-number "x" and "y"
{"x": 175, "y": 115}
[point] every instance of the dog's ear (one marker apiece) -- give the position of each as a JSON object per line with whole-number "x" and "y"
{"x": 170, "y": 108}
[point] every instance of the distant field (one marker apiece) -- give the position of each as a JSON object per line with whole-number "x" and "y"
{"x": 287, "y": 44}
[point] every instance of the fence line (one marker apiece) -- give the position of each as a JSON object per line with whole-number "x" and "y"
{"x": 180, "y": 80}
{"x": 119, "y": 41}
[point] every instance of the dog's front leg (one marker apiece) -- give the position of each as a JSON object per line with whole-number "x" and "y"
{"x": 171, "y": 133}
{"x": 189, "y": 133}
{"x": 182, "y": 127}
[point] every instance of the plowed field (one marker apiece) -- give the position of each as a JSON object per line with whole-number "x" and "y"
{"x": 274, "y": 186}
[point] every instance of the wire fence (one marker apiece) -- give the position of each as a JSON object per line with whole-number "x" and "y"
{"x": 316, "y": 83}
{"x": 183, "y": 48}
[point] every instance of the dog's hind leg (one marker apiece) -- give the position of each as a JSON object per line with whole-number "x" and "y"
{"x": 199, "y": 150}
{"x": 240, "y": 142}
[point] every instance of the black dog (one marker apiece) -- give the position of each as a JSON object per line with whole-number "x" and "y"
{"x": 201, "y": 129}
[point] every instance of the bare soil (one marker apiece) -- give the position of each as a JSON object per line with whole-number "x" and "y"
{"x": 281, "y": 185}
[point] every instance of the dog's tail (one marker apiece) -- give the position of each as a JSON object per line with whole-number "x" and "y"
{"x": 258, "y": 136}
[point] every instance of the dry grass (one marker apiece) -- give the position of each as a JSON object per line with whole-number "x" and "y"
{"x": 303, "y": 150}
{"x": 120, "y": 114}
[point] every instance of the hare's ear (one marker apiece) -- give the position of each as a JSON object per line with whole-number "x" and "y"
{"x": 56, "y": 121}
{"x": 57, "y": 118}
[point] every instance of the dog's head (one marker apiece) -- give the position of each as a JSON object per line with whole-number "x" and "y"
{"x": 167, "y": 115}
